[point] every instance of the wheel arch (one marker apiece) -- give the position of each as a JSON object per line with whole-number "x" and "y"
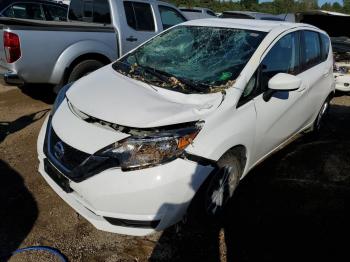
{"x": 78, "y": 52}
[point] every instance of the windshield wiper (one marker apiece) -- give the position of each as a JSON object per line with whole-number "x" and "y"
{"x": 168, "y": 77}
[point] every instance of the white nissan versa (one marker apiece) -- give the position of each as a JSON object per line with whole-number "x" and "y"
{"x": 130, "y": 145}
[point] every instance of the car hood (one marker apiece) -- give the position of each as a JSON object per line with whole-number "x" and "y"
{"x": 113, "y": 97}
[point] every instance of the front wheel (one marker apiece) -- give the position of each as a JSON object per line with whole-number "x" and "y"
{"x": 222, "y": 184}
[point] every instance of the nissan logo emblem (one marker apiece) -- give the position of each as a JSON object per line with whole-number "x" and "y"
{"x": 59, "y": 150}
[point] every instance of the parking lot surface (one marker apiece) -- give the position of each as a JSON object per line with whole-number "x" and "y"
{"x": 295, "y": 206}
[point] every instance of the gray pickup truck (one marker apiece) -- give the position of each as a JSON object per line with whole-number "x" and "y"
{"x": 97, "y": 32}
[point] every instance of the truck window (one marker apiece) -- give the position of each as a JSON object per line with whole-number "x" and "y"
{"x": 87, "y": 11}
{"x": 170, "y": 16}
{"x": 102, "y": 13}
{"x": 139, "y": 16}
{"x": 96, "y": 11}
{"x": 25, "y": 11}
{"x": 211, "y": 13}
{"x": 55, "y": 13}
{"x": 311, "y": 49}
{"x": 76, "y": 10}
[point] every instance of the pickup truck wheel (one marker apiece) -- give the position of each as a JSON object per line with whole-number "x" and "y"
{"x": 83, "y": 69}
{"x": 222, "y": 184}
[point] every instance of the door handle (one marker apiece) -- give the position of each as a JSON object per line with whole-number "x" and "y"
{"x": 131, "y": 39}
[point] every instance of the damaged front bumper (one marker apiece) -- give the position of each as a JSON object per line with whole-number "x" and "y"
{"x": 136, "y": 202}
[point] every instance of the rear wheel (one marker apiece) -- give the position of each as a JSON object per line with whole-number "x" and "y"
{"x": 322, "y": 114}
{"x": 84, "y": 68}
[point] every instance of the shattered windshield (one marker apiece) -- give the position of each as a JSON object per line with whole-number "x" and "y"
{"x": 192, "y": 59}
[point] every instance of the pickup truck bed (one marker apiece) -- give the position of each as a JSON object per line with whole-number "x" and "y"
{"x": 51, "y": 48}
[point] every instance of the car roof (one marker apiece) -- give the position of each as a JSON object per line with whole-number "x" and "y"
{"x": 249, "y": 24}
{"x": 6, "y": 3}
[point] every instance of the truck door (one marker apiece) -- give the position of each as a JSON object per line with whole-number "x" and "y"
{"x": 139, "y": 24}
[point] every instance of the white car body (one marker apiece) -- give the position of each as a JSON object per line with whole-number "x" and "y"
{"x": 162, "y": 193}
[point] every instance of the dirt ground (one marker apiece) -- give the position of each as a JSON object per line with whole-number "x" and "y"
{"x": 295, "y": 206}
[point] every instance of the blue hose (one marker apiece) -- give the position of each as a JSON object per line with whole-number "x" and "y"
{"x": 51, "y": 250}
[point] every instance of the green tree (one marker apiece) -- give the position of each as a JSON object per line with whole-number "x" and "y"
{"x": 284, "y": 6}
{"x": 337, "y": 7}
{"x": 249, "y": 3}
{"x": 346, "y": 8}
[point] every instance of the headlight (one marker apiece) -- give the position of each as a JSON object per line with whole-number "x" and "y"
{"x": 60, "y": 97}
{"x": 141, "y": 152}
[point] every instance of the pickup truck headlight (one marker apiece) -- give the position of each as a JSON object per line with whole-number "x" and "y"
{"x": 141, "y": 152}
{"x": 60, "y": 97}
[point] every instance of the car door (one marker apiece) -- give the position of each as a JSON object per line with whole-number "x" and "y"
{"x": 138, "y": 25}
{"x": 286, "y": 112}
{"x": 317, "y": 66}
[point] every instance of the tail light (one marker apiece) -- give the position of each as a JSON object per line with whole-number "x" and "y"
{"x": 12, "y": 47}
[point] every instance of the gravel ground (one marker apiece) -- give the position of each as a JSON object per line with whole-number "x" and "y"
{"x": 293, "y": 206}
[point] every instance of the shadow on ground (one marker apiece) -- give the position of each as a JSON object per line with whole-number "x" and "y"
{"x": 293, "y": 207}
{"x": 18, "y": 211}
{"x": 10, "y": 127}
{"x": 40, "y": 92}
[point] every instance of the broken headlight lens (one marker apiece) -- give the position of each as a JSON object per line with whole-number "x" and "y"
{"x": 141, "y": 152}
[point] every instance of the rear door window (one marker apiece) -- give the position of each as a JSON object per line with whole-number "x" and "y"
{"x": 311, "y": 49}
{"x": 139, "y": 16}
{"x": 325, "y": 47}
{"x": 55, "y": 13}
{"x": 170, "y": 16}
{"x": 25, "y": 11}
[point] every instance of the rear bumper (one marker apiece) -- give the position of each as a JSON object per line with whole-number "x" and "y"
{"x": 10, "y": 78}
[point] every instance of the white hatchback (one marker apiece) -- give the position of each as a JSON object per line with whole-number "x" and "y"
{"x": 130, "y": 145}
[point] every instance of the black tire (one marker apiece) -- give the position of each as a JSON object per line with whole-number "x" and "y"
{"x": 223, "y": 184}
{"x": 322, "y": 115}
{"x": 83, "y": 69}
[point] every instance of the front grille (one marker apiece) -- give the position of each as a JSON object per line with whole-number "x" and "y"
{"x": 68, "y": 156}
{"x": 73, "y": 163}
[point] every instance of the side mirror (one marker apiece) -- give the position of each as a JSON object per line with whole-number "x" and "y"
{"x": 281, "y": 82}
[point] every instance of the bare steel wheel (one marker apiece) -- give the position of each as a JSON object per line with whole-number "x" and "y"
{"x": 223, "y": 184}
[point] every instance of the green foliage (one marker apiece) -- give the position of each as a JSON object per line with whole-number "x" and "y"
{"x": 274, "y": 7}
